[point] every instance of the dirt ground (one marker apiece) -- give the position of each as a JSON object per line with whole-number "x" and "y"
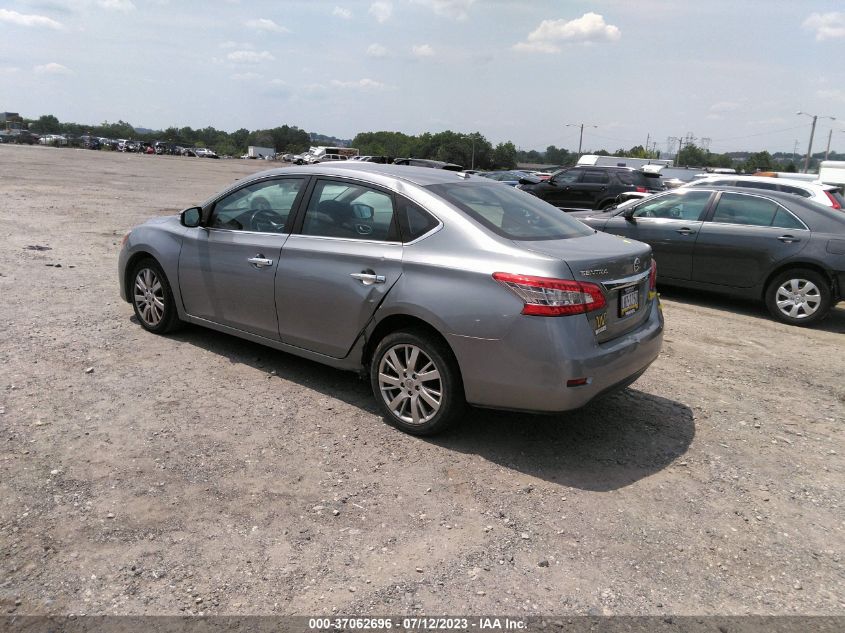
{"x": 199, "y": 473}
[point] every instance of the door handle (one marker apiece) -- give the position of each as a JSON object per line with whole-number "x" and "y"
{"x": 259, "y": 261}
{"x": 789, "y": 239}
{"x": 368, "y": 278}
{"x": 685, "y": 231}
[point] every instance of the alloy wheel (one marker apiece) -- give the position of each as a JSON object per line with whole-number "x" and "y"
{"x": 410, "y": 383}
{"x": 149, "y": 297}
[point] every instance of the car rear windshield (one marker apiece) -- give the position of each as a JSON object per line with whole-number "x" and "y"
{"x": 514, "y": 214}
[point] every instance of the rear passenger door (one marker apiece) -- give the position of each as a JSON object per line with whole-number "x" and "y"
{"x": 592, "y": 189}
{"x": 745, "y": 236}
{"x": 335, "y": 270}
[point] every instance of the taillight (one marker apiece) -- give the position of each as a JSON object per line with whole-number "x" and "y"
{"x": 544, "y": 296}
{"x": 652, "y": 276}
{"x": 833, "y": 200}
{"x": 642, "y": 190}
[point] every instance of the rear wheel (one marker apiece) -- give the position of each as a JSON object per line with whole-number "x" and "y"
{"x": 799, "y": 297}
{"x": 152, "y": 298}
{"x": 416, "y": 383}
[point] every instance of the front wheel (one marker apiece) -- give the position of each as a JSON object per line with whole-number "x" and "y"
{"x": 799, "y": 297}
{"x": 416, "y": 383}
{"x": 152, "y": 298}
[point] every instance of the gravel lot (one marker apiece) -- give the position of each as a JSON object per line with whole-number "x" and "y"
{"x": 199, "y": 473}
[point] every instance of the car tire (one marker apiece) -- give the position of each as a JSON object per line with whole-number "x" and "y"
{"x": 799, "y": 296}
{"x": 152, "y": 298}
{"x": 416, "y": 382}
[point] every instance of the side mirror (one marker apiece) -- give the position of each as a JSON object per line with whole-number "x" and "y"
{"x": 362, "y": 211}
{"x": 628, "y": 214}
{"x": 191, "y": 217}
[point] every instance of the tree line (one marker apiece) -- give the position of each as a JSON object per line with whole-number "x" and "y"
{"x": 469, "y": 150}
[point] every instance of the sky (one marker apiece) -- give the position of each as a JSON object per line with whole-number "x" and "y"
{"x": 526, "y": 71}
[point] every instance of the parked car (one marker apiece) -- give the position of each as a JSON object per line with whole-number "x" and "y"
{"x": 424, "y": 162}
{"x": 204, "y": 152}
{"x": 592, "y": 187}
{"x": 510, "y": 177}
{"x": 776, "y": 247}
{"x": 828, "y": 195}
{"x": 444, "y": 288}
{"x": 89, "y": 142}
{"x": 328, "y": 158}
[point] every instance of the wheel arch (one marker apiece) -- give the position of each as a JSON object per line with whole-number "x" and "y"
{"x": 127, "y": 272}
{"x": 395, "y": 323}
{"x": 824, "y": 272}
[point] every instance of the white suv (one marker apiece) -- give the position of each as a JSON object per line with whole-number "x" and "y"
{"x": 826, "y": 195}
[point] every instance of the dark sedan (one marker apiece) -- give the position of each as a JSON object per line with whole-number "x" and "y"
{"x": 775, "y": 247}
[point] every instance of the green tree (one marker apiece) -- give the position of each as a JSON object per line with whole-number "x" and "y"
{"x": 46, "y": 124}
{"x": 504, "y": 156}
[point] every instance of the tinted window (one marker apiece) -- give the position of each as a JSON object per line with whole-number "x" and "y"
{"x": 599, "y": 177}
{"x": 735, "y": 208}
{"x": 768, "y": 186}
{"x": 686, "y": 205}
{"x": 511, "y": 213}
{"x": 785, "y": 220}
{"x": 349, "y": 210}
{"x": 263, "y": 207}
{"x": 797, "y": 191}
{"x": 630, "y": 177}
{"x": 415, "y": 220}
{"x": 566, "y": 177}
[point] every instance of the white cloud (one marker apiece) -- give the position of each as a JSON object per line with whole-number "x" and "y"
{"x": 422, "y": 50}
{"x": 248, "y": 76}
{"x": 342, "y": 13}
{"x": 376, "y": 50}
{"x": 22, "y": 19}
{"x": 52, "y": 69}
{"x": 277, "y": 88}
{"x": 727, "y": 106}
{"x": 456, "y": 9}
{"x": 381, "y": 11}
{"x": 250, "y": 57}
{"x": 9, "y": 70}
{"x": 590, "y": 27}
{"x": 116, "y": 5}
{"x": 833, "y": 95}
{"x": 265, "y": 24}
{"x": 361, "y": 84}
{"x": 826, "y": 25}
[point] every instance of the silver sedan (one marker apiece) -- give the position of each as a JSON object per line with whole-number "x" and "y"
{"x": 446, "y": 289}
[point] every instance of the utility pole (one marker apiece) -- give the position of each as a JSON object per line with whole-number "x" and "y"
{"x": 580, "y": 138}
{"x": 827, "y": 151}
{"x": 794, "y": 151}
{"x": 812, "y": 133}
{"x": 471, "y": 137}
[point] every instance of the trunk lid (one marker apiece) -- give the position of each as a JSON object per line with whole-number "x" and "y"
{"x": 619, "y": 265}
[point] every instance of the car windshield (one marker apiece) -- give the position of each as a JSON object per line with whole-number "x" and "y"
{"x": 511, "y": 213}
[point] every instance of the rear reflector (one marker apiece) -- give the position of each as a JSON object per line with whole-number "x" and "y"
{"x": 642, "y": 190}
{"x": 577, "y": 382}
{"x": 545, "y": 296}
{"x": 833, "y": 200}
{"x": 652, "y": 275}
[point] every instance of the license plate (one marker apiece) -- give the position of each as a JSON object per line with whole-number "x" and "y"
{"x": 629, "y": 301}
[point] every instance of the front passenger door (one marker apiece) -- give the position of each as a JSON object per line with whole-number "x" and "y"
{"x": 670, "y": 224}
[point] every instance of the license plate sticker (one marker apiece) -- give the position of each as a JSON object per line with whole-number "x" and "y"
{"x": 629, "y": 301}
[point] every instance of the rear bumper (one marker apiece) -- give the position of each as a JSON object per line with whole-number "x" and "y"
{"x": 528, "y": 370}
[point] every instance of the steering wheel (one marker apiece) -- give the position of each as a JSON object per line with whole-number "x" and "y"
{"x": 263, "y": 218}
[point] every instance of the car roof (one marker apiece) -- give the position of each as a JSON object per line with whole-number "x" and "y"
{"x": 372, "y": 173}
{"x": 752, "y": 178}
{"x": 787, "y": 199}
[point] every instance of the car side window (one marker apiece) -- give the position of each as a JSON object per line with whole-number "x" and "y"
{"x": 263, "y": 207}
{"x": 785, "y": 220}
{"x": 796, "y": 191}
{"x": 688, "y": 205}
{"x": 416, "y": 221}
{"x": 568, "y": 177}
{"x": 735, "y": 208}
{"x": 350, "y": 210}
{"x": 595, "y": 176}
{"x": 768, "y": 186}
